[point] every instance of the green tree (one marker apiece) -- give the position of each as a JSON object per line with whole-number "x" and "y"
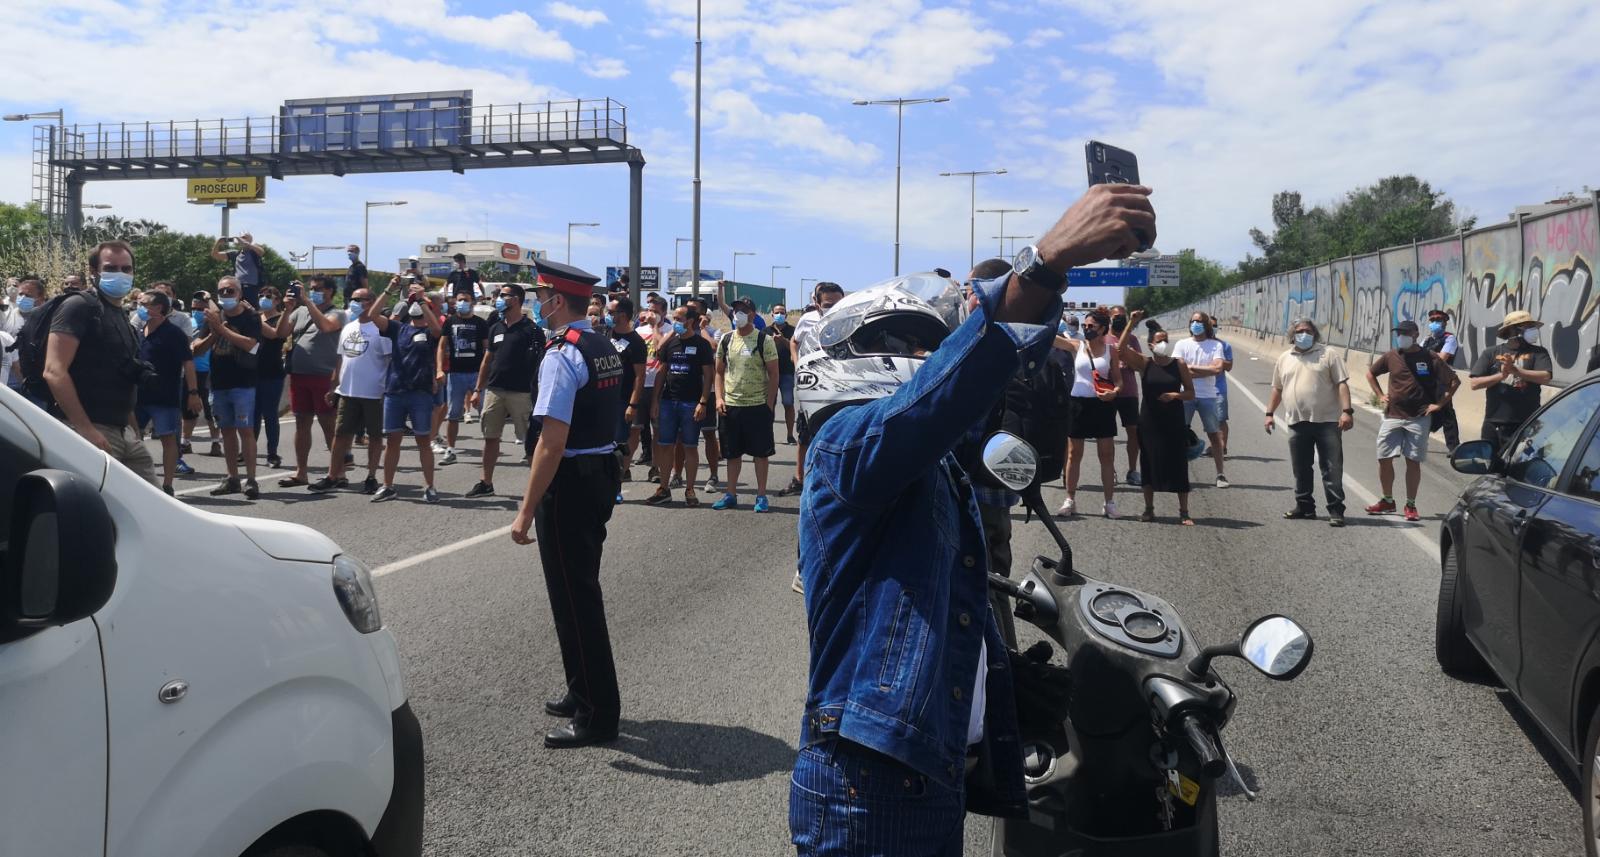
{"x": 21, "y": 226}
{"x": 1197, "y": 276}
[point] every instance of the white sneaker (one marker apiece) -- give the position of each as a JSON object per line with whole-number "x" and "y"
{"x": 1111, "y": 508}
{"x": 1222, "y": 481}
{"x": 1066, "y": 509}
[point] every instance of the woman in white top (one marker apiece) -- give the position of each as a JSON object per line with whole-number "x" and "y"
{"x": 1096, "y": 380}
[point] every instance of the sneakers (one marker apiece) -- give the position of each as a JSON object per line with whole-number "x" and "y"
{"x": 1110, "y": 509}
{"x": 1336, "y": 519}
{"x": 469, "y": 417}
{"x": 1300, "y": 514}
{"x": 1067, "y": 508}
{"x": 711, "y": 484}
{"x": 216, "y": 450}
{"x": 438, "y": 447}
{"x": 789, "y": 440}
{"x": 798, "y": 585}
{"x": 619, "y": 498}
{"x": 252, "y": 491}
{"x": 370, "y": 485}
{"x": 430, "y": 495}
{"x": 187, "y": 447}
{"x": 274, "y": 461}
{"x": 761, "y": 504}
{"x": 677, "y": 482}
{"x": 385, "y": 494}
{"x": 227, "y": 486}
{"x": 167, "y": 490}
{"x": 1411, "y": 513}
{"x": 183, "y": 468}
{"x": 449, "y": 457}
{"x": 481, "y": 489}
{"x": 1382, "y": 507}
{"x": 1133, "y": 478}
{"x": 726, "y": 501}
{"x": 326, "y": 484}
{"x": 1222, "y": 481}
{"x": 794, "y": 487}
{"x": 662, "y": 495}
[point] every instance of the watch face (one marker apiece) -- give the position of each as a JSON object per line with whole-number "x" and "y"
{"x": 1024, "y": 260}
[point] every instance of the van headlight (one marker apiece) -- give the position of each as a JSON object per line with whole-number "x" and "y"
{"x": 352, "y": 583}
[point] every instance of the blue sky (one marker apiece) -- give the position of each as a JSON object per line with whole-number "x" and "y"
{"x": 1224, "y": 102}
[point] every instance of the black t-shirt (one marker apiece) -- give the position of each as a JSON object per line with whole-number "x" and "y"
{"x": 633, "y": 350}
{"x": 514, "y": 354}
{"x": 102, "y": 369}
{"x": 414, "y": 364}
{"x": 269, "y": 359}
{"x": 356, "y": 278}
{"x": 230, "y": 370}
{"x": 683, "y": 363}
{"x": 464, "y": 281}
{"x": 167, "y": 349}
{"x": 785, "y": 359}
{"x": 467, "y": 337}
{"x": 1511, "y": 403}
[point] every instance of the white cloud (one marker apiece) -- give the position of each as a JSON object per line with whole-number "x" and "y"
{"x": 574, "y": 15}
{"x": 514, "y": 33}
{"x": 1041, "y": 37}
{"x": 606, "y": 68}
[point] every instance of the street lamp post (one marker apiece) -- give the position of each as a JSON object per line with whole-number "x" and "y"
{"x": 58, "y": 137}
{"x": 569, "y": 238}
{"x": 899, "y": 133}
{"x": 1013, "y": 239}
{"x": 772, "y": 276}
{"x": 366, "y": 227}
{"x": 316, "y": 247}
{"x": 1002, "y": 212}
{"x": 694, "y": 247}
{"x": 972, "y": 222}
{"x": 678, "y": 243}
{"x": 733, "y": 276}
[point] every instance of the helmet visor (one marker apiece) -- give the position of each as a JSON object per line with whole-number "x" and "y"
{"x": 916, "y": 294}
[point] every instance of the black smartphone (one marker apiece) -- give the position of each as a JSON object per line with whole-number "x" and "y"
{"x": 294, "y": 291}
{"x": 1111, "y": 165}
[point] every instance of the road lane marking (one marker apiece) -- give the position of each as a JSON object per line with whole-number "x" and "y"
{"x": 1350, "y": 484}
{"x": 437, "y": 552}
{"x": 259, "y": 479}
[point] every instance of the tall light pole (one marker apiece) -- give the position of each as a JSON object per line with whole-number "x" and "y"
{"x": 694, "y": 250}
{"x": 1013, "y": 239}
{"x": 899, "y": 133}
{"x": 366, "y": 227}
{"x": 58, "y": 137}
{"x": 733, "y": 276}
{"x": 772, "y": 276}
{"x": 316, "y": 247}
{"x": 1002, "y": 212}
{"x": 677, "y": 243}
{"x": 569, "y": 238}
{"x": 972, "y": 224}
{"x": 96, "y": 205}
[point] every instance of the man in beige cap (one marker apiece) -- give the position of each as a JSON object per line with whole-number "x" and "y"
{"x": 1511, "y": 375}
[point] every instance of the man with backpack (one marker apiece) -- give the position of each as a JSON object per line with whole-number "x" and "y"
{"x": 747, "y": 393}
{"x": 83, "y": 359}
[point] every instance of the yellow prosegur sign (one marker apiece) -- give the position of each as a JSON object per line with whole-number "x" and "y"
{"x": 232, "y": 190}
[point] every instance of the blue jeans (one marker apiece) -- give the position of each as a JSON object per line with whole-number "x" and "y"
{"x": 677, "y": 423}
{"x": 1208, "y": 409}
{"x": 164, "y": 418}
{"x": 458, "y": 385}
{"x": 846, "y": 800}
{"x": 415, "y": 405}
{"x": 233, "y": 408}
{"x": 269, "y": 392}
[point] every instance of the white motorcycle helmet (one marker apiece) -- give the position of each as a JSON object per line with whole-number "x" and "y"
{"x": 873, "y": 341}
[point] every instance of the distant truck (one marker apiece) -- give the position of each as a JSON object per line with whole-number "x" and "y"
{"x": 764, "y": 297}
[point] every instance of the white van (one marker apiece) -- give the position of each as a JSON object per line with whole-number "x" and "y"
{"x": 175, "y": 682}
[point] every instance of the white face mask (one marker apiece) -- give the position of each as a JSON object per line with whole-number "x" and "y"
{"x": 1531, "y": 336}
{"x": 1304, "y": 341}
{"x": 1404, "y": 342}
{"x": 740, "y": 319}
{"x": 1162, "y": 348}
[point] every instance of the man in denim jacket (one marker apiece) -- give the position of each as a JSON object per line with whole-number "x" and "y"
{"x": 894, "y": 565}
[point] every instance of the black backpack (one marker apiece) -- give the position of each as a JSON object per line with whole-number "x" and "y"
{"x": 1034, "y": 407}
{"x": 761, "y": 343}
{"x": 34, "y": 339}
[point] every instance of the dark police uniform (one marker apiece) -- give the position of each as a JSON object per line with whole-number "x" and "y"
{"x": 579, "y": 383}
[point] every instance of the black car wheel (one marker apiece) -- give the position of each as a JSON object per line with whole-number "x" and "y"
{"x": 1591, "y": 787}
{"x": 1456, "y": 655}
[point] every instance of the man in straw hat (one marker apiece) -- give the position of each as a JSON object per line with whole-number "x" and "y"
{"x": 1511, "y": 375}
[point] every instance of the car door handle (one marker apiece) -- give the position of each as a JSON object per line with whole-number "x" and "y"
{"x": 1519, "y": 521}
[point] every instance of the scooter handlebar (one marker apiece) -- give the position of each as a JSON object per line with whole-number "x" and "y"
{"x": 1212, "y": 765}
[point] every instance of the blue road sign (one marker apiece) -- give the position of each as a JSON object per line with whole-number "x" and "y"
{"x": 1108, "y": 277}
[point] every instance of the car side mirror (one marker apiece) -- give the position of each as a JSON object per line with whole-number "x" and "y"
{"x": 1475, "y": 458}
{"x": 61, "y": 563}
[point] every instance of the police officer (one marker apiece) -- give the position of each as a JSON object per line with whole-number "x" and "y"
{"x": 571, "y": 489}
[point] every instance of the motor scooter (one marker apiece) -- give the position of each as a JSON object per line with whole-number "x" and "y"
{"x": 1122, "y": 735}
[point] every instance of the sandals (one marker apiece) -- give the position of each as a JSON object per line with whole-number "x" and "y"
{"x": 291, "y": 482}
{"x": 1148, "y": 516}
{"x": 1186, "y": 521}
{"x": 689, "y": 498}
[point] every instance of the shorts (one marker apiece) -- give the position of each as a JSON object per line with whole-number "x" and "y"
{"x": 1222, "y": 408}
{"x": 801, "y": 432}
{"x": 308, "y": 394}
{"x": 234, "y": 409}
{"x": 1397, "y": 437}
{"x": 415, "y": 405}
{"x": 163, "y": 420}
{"x": 1127, "y": 410}
{"x": 1207, "y": 408}
{"x": 641, "y": 412}
{"x": 1091, "y": 418}
{"x": 457, "y": 386}
{"x": 675, "y": 423}
{"x": 745, "y": 431}
{"x": 502, "y": 405}
{"x": 124, "y": 445}
{"x": 359, "y": 415}
{"x": 439, "y": 393}
{"x": 786, "y": 389}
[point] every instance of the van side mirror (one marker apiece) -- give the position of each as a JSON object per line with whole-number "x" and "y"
{"x": 61, "y": 563}
{"x": 1475, "y": 458}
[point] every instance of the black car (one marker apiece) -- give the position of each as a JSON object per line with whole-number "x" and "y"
{"x": 1519, "y": 599}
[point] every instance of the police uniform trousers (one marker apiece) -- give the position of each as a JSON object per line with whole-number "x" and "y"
{"x": 571, "y": 526}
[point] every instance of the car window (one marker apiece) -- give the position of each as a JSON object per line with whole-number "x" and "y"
{"x": 1586, "y": 479}
{"x": 14, "y": 464}
{"x": 1547, "y": 442}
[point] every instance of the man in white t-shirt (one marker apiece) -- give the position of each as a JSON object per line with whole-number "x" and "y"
{"x": 358, "y": 379}
{"x": 1203, "y": 353}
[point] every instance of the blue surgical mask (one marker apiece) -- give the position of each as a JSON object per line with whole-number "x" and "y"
{"x": 678, "y": 328}
{"x": 463, "y": 307}
{"x": 1196, "y": 328}
{"x": 779, "y": 318}
{"x": 1304, "y": 341}
{"x": 355, "y": 307}
{"x": 143, "y": 313}
{"x": 229, "y": 303}
{"x": 354, "y": 256}
{"x": 499, "y": 304}
{"x": 24, "y": 304}
{"x": 1436, "y": 327}
{"x": 608, "y": 321}
{"x": 199, "y": 316}
{"x": 116, "y": 284}
{"x": 264, "y": 303}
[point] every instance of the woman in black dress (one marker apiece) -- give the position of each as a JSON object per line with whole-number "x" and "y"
{"x": 1163, "y": 443}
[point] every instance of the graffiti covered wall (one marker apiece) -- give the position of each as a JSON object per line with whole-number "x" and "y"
{"x": 1491, "y": 287}
{"x": 1559, "y": 253}
{"x": 1342, "y": 308}
{"x": 1369, "y": 314}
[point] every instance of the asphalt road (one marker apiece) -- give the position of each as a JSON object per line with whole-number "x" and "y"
{"x": 1371, "y": 751}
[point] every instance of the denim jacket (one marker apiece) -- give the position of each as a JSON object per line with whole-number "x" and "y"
{"x": 894, "y": 565}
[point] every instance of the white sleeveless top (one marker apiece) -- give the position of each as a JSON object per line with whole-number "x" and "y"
{"x": 1083, "y": 367}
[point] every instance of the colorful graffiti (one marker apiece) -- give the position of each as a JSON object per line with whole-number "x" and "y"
{"x": 1492, "y": 288}
{"x": 1342, "y": 309}
{"x": 1369, "y": 314}
{"x": 1559, "y": 289}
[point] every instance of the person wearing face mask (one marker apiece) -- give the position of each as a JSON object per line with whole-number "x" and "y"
{"x": 747, "y": 393}
{"x": 824, "y": 295}
{"x": 269, "y": 374}
{"x": 356, "y": 278}
{"x": 1128, "y": 400}
{"x": 1096, "y": 381}
{"x": 233, "y": 337}
{"x": 1313, "y": 386}
{"x": 1070, "y": 328}
{"x": 1443, "y": 343}
{"x": 782, "y": 333}
{"x": 166, "y": 349}
{"x": 357, "y": 384}
{"x": 463, "y": 279}
{"x": 30, "y": 296}
{"x": 199, "y": 302}
{"x": 1167, "y": 384}
{"x": 506, "y": 379}
{"x": 1207, "y": 359}
{"x": 685, "y": 391}
{"x": 90, "y": 363}
{"x": 634, "y": 353}
{"x": 1419, "y": 386}
{"x": 461, "y": 353}
{"x": 25, "y": 294}
{"x": 310, "y": 324}
{"x": 1512, "y": 375}
{"x": 409, "y": 390}
{"x": 245, "y": 255}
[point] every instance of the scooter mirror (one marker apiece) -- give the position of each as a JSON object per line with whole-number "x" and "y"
{"x": 1009, "y": 460}
{"x": 1277, "y": 646}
